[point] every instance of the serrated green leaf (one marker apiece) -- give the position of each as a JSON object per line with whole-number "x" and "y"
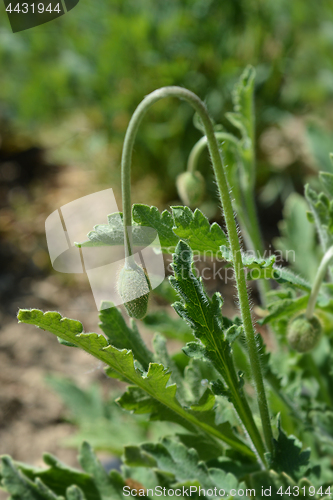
{"x": 242, "y": 95}
{"x": 194, "y": 228}
{"x": 145, "y": 216}
{"x": 243, "y": 119}
{"x": 21, "y": 487}
{"x": 122, "y": 336}
{"x": 205, "y": 318}
{"x": 265, "y": 268}
{"x": 201, "y": 313}
{"x": 122, "y": 362}
{"x": 113, "y": 234}
{"x": 23, "y": 482}
{"x": 165, "y": 407}
{"x": 58, "y": 476}
{"x": 206, "y": 449}
{"x": 106, "y": 234}
{"x": 137, "y": 457}
{"x": 288, "y": 455}
{"x": 285, "y": 275}
{"x": 109, "y": 486}
{"x": 191, "y": 226}
{"x": 184, "y": 466}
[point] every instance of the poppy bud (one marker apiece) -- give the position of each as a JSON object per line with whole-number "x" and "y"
{"x": 134, "y": 288}
{"x": 303, "y": 334}
{"x": 191, "y": 188}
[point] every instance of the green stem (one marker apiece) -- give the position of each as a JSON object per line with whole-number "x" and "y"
{"x": 322, "y": 270}
{"x": 243, "y": 410}
{"x": 202, "y": 143}
{"x": 223, "y": 187}
{"x": 248, "y": 220}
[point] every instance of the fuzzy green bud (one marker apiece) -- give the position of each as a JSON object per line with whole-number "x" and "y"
{"x": 303, "y": 334}
{"x": 191, "y": 188}
{"x": 134, "y": 288}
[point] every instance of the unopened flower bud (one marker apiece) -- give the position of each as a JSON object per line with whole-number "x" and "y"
{"x": 303, "y": 334}
{"x": 191, "y": 188}
{"x": 134, "y": 288}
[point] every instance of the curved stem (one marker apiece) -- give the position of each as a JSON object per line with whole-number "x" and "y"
{"x": 223, "y": 187}
{"x": 322, "y": 270}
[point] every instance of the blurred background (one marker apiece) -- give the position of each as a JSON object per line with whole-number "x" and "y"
{"x": 67, "y": 91}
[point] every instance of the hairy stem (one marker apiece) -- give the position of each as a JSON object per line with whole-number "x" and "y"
{"x": 202, "y": 143}
{"x": 223, "y": 187}
{"x": 246, "y": 215}
{"x": 322, "y": 270}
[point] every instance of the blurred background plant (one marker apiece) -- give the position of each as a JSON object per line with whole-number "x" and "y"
{"x": 69, "y": 87}
{"x": 73, "y": 83}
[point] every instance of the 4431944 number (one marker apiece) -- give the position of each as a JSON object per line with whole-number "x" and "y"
{"x": 38, "y": 8}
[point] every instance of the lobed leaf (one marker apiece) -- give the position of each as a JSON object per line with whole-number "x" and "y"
{"x": 200, "y": 312}
{"x": 183, "y": 466}
{"x": 57, "y": 481}
{"x": 121, "y": 336}
{"x": 265, "y": 268}
{"x": 205, "y": 318}
{"x": 192, "y": 227}
{"x": 145, "y": 216}
{"x": 21, "y": 487}
{"x": 154, "y": 382}
{"x": 108, "y": 485}
{"x": 288, "y": 455}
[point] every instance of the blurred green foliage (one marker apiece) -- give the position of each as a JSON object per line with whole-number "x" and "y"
{"x": 102, "y": 57}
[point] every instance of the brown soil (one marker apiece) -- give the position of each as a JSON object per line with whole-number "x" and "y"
{"x": 31, "y": 415}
